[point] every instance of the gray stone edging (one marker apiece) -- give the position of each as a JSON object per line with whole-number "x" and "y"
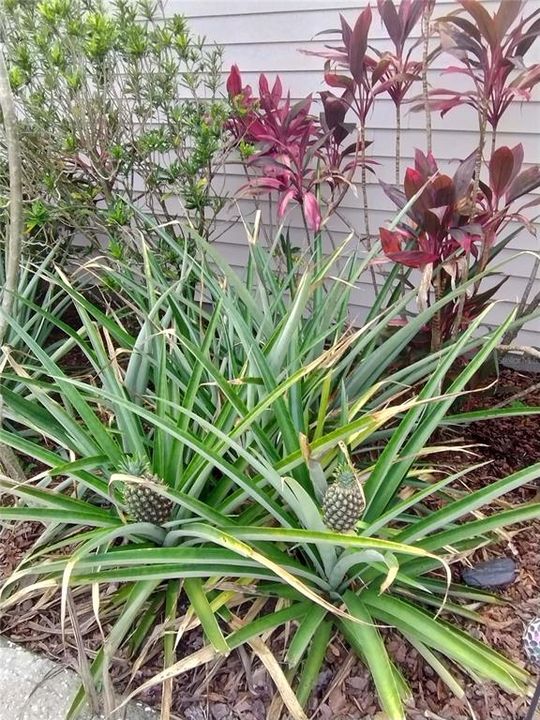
{"x": 521, "y": 362}
{"x": 35, "y": 688}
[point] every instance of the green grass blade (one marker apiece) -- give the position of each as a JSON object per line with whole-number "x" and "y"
{"x": 305, "y": 633}
{"x": 365, "y": 638}
{"x": 201, "y": 608}
{"x": 313, "y": 662}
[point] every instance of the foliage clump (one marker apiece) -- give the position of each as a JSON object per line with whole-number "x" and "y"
{"x": 118, "y": 101}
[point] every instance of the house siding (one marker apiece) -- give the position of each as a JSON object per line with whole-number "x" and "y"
{"x": 266, "y": 35}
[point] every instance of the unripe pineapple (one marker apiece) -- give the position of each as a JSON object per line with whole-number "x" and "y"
{"x": 344, "y": 501}
{"x": 144, "y": 504}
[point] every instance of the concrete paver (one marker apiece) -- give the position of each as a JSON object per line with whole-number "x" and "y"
{"x": 35, "y": 688}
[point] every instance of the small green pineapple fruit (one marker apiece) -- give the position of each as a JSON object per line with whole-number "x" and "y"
{"x": 144, "y": 504}
{"x": 344, "y": 501}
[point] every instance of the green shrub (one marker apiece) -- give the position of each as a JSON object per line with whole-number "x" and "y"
{"x": 242, "y": 406}
{"x": 117, "y": 102}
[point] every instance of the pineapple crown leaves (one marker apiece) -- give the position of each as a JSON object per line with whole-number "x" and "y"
{"x": 133, "y": 471}
{"x": 140, "y": 492}
{"x": 344, "y": 474}
{"x": 134, "y": 465}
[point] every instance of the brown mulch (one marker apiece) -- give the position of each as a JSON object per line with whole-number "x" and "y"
{"x": 239, "y": 688}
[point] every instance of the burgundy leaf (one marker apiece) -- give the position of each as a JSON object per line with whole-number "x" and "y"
{"x": 528, "y": 39}
{"x": 396, "y": 195}
{"x": 335, "y": 109}
{"x": 300, "y": 108}
{"x": 412, "y": 16}
{"x": 312, "y": 211}
{"x": 501, "y": 167}
{"x": 330, "y": 31}
{"x": 400, "y": 80}
{"x": 381, "y": 67}
{"x": 465, "y": 25}
{"x": 284, "y": 201}
{"x": 505, "y": 16}
{"x": 346, "y": 32}
{"x": 277, "y": 90}
{"x": 442, "y": 191}
{"x": 234, "y": 82}
{"x": 357, "y": 145}
{"x": 265, "y": 183}
{"x": 336, "y": 80}
{"x": 413, "y": 258}
{"x": 413, "y": 183}
{"x": 524, "y": 183}
{"x": 391, "y": 22}
{"x": 317, "y": 146}
{"x": 425, "y": 164}
{"x": 454, "y": 100}
{"x": 466, "y": 240}
{"x": 464, "y": 175}
{"x": 460, "y": 43}
{"x": 263, "y": 85}
{"x": 488, "y": 294}
{"x": 528, "y": 79}
{"x": 483, "y": 20}
{"x": 486, "y": 190}
{"x": 431, "y": 223}
{"x": 391, "y": 240}
{"x": 358, "y": 44}
{"x": 273, "y": 166}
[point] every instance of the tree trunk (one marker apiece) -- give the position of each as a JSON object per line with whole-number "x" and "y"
{"x": 14, "y": 235}
{"x": 13, "y": 241}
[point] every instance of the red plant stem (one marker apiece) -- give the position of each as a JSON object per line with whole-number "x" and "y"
{"x": 398, "y": 142}
{"x": 436, "y": 322}
{"x": 306, "y": 228}
{"x": 366, "y": 204}
{"x": 426, "y": 18}
{"x": 493, "y": 140}
{"x": 484, "y": 256}
{"x": 402, "y": 271}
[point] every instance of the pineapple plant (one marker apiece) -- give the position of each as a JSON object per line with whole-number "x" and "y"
{"x": 144, "y": 504}
{"x": 344, "y": 501}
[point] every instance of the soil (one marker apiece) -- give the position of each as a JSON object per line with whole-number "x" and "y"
{"x": 239, "y": 687}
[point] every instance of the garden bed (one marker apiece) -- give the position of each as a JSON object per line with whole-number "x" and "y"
{"x": 240, "y": 688}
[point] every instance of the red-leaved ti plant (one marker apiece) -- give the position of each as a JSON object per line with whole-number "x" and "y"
{"x": 292, "y": 152}
{"x": 372, "y": 73}
{"x": 450, "y": 235}
{"x": 440, "y": 225}
{"x": 491, "y": 50}
{"x": 508, "y": 182}
{"x": 361, "y": 74}
{"x": 396, "y": 72}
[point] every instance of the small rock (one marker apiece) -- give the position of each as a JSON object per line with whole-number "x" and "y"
{"x": 195, "y": 712}
{"x": 495, "y": 573}
{"x": 358, "y": 682}
{"x": 219, "y": 711}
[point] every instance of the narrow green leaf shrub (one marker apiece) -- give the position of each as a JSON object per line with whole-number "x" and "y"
{"x": 239, "y": 408}
{"x": 118, "y": 101}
